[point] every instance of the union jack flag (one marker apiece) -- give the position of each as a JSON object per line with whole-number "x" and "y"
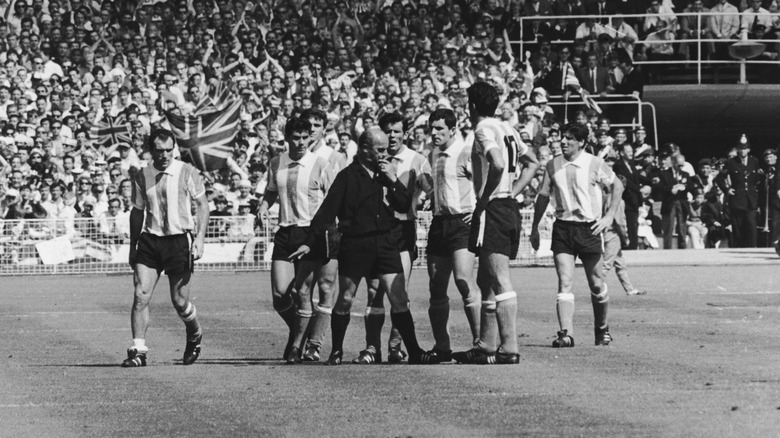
{"x": 111, "y": 131}
{"x": 217, "y": 99}
{"x": 207, "y": 138}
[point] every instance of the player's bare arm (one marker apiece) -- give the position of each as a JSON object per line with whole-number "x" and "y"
{"x": 269, "y": 197}
{"x": 530, "y": 166}
{"x": 540, "y": 206}
{"x": 495, "y": 172}
{"x": 616, "y": 194}
{"x": 201, "y": 225}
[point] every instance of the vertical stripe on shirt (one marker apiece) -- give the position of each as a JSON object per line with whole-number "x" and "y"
{"x": 301, "y": 187}
{"x": 413, "y": 170}
{"x": 166, "y": 197}
{"x": 577, "y": 186}
{"x": 452, "y": 179}
{"x": 492, "y": 133}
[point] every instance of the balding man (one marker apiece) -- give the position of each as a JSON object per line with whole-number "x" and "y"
{"x": 365, "y": 197}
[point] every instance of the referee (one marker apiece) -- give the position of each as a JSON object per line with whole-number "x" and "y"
{"x": 364, "y": 197}
{"x": 161, "y": 227}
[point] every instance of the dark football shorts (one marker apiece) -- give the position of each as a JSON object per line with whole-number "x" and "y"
{"x": 172, "y": 254}
{"x": 407, "y": 241}
{"x": 575, "y": 238}
{"x": 288, "y": 239}
{"x": 498, "y": 230}
{"x": 447, "y": 234}
{"x": 370, "y": 256}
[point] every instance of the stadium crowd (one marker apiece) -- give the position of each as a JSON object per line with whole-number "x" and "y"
{"x": 72, "y": 70}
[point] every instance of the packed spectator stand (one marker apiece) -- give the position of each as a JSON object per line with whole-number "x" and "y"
{"x": 83, "y": 83}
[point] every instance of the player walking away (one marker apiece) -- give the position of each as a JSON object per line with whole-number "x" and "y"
{"x": 574, "y": 181}
{"x": 414, "y": 172}
{"x": 364, "y": 197}
{"x": 498, "y": 156}
{"x": 161, "y": 226}
{"x": 299, "y": 180}
{"x": 327, "y": 274}
{"x": 448, "y": 236}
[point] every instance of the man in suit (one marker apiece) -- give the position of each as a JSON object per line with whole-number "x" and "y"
{"x": 739, "y": 180}
{"x": 594, "y": 78}
{"x": 632, "y": 196}
{"x": 674, "y": 198}
{"x": 724, "y": 25}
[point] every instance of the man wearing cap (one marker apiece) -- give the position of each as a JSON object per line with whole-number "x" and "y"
{"x": 739, "y": 180}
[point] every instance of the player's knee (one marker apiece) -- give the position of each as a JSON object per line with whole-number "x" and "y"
{"x": 600, "y": 293}
{"x": 472, "y": 299}
{"x": 142, "y": 295}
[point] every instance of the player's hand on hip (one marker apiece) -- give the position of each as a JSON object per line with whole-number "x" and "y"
{"x": 467, "y": 218}
{"x": 534, "y": 238}
{"x": 300, "y": 252}
{"x": 601, "y": 225}
{"x": 197, "y": 249}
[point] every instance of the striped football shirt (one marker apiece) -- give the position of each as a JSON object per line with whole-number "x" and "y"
{"x": 166, "y": 197}
{"x": 413, "y": 170}
{"x": 453, "y": 190}
{"x": 489, "y": 134}
{"x": 575, "y": 187}
{"x": 336, "y": 159}
{"x": 301, "y": 186}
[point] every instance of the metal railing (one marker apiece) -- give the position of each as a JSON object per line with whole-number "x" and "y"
{"x": 698, "y": 40}
{"x": 613, "y": 99}
{"x": 233, "y": 243}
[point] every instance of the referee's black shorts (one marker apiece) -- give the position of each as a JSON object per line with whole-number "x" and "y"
{"x": 498, "y": 230}
{"x": 172, "y": 254}
{"x": 370, "y": 256}
{"x": 288, "y": 239}
{"x": 407, "y": 240}
{"x": 576, "y": 238}
{"x": 447, "y": 234}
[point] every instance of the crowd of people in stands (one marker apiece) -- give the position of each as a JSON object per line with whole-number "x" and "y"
{"x": 66, "y": 66}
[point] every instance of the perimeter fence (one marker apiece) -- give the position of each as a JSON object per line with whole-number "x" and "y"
{"x": 234, "y": 243}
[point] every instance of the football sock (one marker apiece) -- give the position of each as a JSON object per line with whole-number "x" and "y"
{"x": 375, "y": 319}
{"x": 285, "y": 308}
{"x": 338, "y": 329}
{"x": 302, "y": 319}
{"x": 471, "y": 305}
{"x": 190, "y": 317}
{"x": 319, "y": 326}
{"x": 439, "y": 313}
{"x": 488, "y": 327}
{"x": 600, "y": 302}
{"x": 405, "y": 324}
{"x": 506, "y": 316}
{"x": 565, "y": 307}
{"x": 140, "y": 345}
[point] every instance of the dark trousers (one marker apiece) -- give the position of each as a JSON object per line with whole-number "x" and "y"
{"x": 675, "y": 219}
{"x": 632, "y": 223}
{"x": 743, "y": 224}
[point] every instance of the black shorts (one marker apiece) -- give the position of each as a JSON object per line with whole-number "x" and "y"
{"x": 500, "y": 231}
{"x": 407, "y": 240}
{"x": 370, "y": 256}
{"x": 447, "y": 235}
{"x": 575, "y": 238}
{"x": 333, "y": 239}
{"x": 288, "y": 239}
{"x": 172, "y": 254}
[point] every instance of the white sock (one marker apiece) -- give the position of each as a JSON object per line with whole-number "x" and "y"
{"x": 140, "y": 344}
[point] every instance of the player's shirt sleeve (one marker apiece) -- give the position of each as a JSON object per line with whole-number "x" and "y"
{"x": 604, "y": 174}
{"x": 485, "y": 140}
{"x": 138, "y": 197}
{"x": 327, "y": 175}
{"x": 195, "y": 185}
{"x": 273, "y": 169}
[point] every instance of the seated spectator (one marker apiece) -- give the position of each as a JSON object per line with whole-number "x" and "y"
{"x": 694, "y": 27}
{"x": 724, "y": 26}
{"x": 697, "y": 230}
{"x": 114, "y": 224}
{"x": 715, "y": 217}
